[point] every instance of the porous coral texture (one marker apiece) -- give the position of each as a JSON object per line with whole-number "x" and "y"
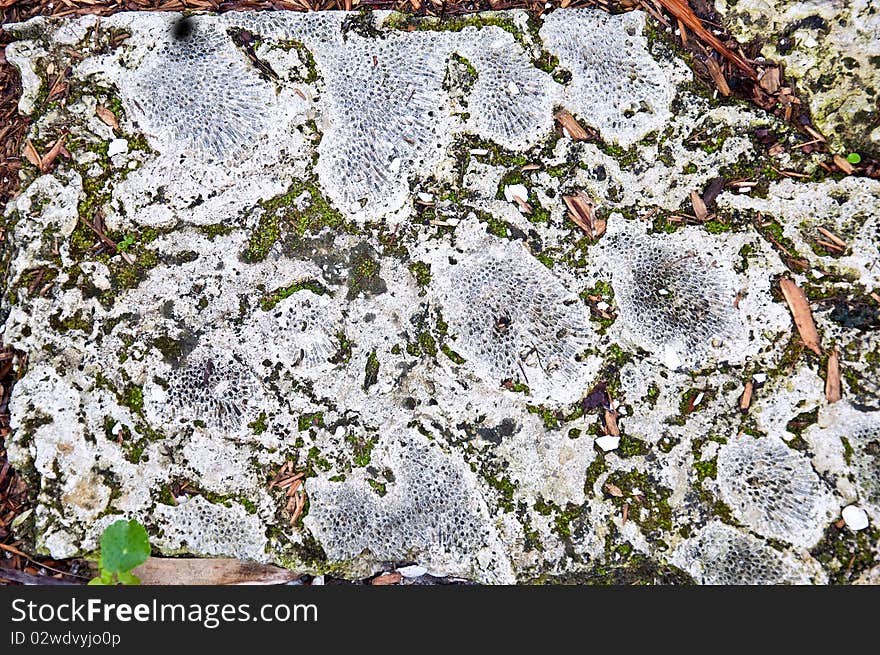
{"x": 331, "y": 290}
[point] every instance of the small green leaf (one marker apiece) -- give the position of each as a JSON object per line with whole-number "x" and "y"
{"x": 128, "y": 578}
{"x": 97, "y": 581}
{"x": 854, "y": 158}
{"x": 124, "y": 545}
{"x": 126, "y": 243}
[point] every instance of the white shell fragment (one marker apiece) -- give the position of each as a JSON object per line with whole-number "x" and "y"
{"x": 856, "y": 518}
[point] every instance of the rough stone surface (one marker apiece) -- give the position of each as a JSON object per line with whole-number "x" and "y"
{"x": 832, "y": 52}
{"x": 320, "y": 264}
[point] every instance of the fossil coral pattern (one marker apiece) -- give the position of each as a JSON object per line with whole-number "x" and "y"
{"x": 300, "y": 331}
{"x": 215, "y": 389}
{"x": 624, "y": 95}
{"x": 330, "y": 338}
{"x": 866, "y": 458}
{"x": 676, "y": 298}
{"x": 723, "y": 555}
{"x": 773, "y": 489}
{"x": 211, "y": 529}
{"x": 431, "y": 510}
{"x": 200, "y": 94}
{"x": 517, "y": 322}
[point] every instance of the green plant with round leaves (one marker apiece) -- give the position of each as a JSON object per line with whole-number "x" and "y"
{"x": 854, "y": 158}
{"x": 124, "y": 546}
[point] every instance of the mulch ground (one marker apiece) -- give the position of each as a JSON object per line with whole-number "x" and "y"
{"x": 718, "y": 61}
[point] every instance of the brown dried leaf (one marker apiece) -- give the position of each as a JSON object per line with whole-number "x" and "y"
{"x": 107, "y": 116}
{"x": 843, "y": 165}
{"x": 716, "y": 185}
{"x": 524, "y": 207}
{"x": 574, "y": 129}
{"x": 582, "y": 212}
{"x": 832, "y": 380}
{"x": 52, "y": 155}
{"x": 31, "y": 154}
{"x": 800, "y": 310}
{"x": 700, "y": 210}
{"x": 614, "y": 490}
{"x": 210, "y": 571}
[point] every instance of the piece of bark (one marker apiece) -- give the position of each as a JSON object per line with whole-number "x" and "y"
{"x": 770, "y": 80}
{"x": 574, "y": 129}
{"x": 800, "y": 310}
{"x": 611, "y": 423}
{"x": 746, "y": 399}
{"x": 832, "y": 379}
{"x": 717, "y": 76}
{"x": 21, "y": 577}
{"x": 210, "y": 571}
{"x": 386, "y": 579}
{"x": 682, "y": 11}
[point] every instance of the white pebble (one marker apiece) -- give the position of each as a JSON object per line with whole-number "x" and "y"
{"x": 513, "y": 89}
{"x": 117, "y": 147}
{"x": 479, "y": 152}
{"x": 608, "y": 443}
{"x": 318, "y": 580}
{"x": 413, "y": 571}
{"x": 760, "y": 378}
{"x": 855, "y": 517}
{"x": 394, "y": 167}
{"x": 671, "y": 358}
{"x": 426, "y": 197}
{"x": 518, "y": 190}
